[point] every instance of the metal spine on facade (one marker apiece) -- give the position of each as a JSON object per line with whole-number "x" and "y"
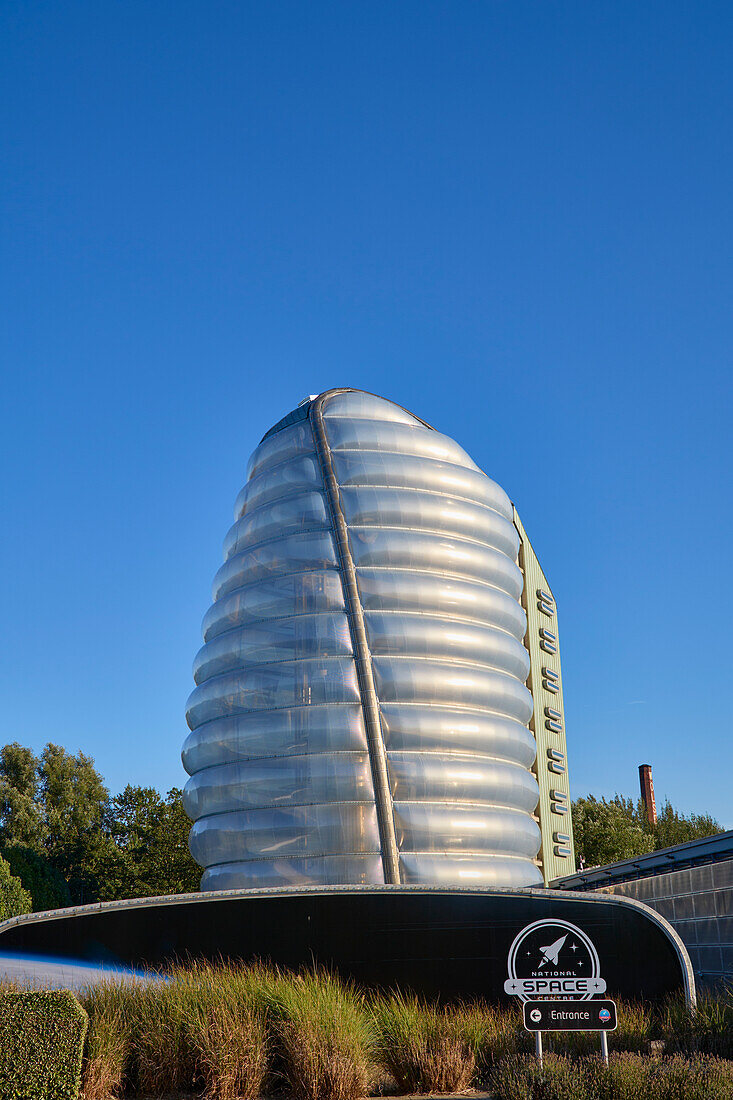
{"x": 361, "y": 714}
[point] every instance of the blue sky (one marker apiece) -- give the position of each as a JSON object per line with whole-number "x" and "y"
{"x": 513, "y": 218}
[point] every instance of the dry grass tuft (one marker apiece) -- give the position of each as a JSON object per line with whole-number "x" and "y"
{"x": 324, "y": 1037}
{"x": 426, "y": 1048}
{"x": 107, "y": 1051}
{"x": 230, "y": 1044}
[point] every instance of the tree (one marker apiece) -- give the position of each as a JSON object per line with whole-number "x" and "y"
{"x": 77, "y": 810}
{"x": 21, "y": 813}
{"x": 606, "y": 831}
{"x": 13, "y": 898}
{"x": 151, "y": 833}
{"x": 674, "y": 828}
{"x": 68, "y": 840}
{"x": 47, "y": 888}
{"x": 609, "y": 830}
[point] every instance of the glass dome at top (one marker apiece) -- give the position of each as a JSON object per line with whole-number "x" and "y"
{"x": 360, "y": 711}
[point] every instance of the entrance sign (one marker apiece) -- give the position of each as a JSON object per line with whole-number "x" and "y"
{"x": 553, "y": 958}
{"x": 570, "y": 1015}
{"x": 554, "y": 969}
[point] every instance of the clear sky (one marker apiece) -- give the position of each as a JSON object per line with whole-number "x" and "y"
{"x": 512, "y": 218}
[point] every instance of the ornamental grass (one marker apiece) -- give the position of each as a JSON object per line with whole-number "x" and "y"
{"x": 324, "y": 1037}
{"x": 425, "y": 1047}
{"x": 228, "y": 1032}
{"x": 107, "y": 1053}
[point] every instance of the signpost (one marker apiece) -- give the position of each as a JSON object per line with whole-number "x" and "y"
{"x": 570, "y": 1015}
{"x": 555, "y": 971}
{"x": 542, "y": 1016}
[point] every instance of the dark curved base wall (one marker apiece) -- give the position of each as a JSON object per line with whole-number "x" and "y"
{"x": 437, "y": 942}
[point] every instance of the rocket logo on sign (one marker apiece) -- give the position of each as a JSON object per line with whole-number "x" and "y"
{"x": 553, "y": 958}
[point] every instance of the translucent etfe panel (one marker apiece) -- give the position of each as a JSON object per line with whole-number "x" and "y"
{"x": 378, "y": 435}
{"x": 366, "y": 406}
{"x": 304, "y": 512}
{"x": 293, "y": 554}
{"x": 409, "y": 472}
{"x": 286, "y": 781}
{"x": 338, "y": 727}
{"x": 396, "y": 548}
{"x": 297, "y": 831}
{"x": 285, "y": 444}
{"x": 403, "y": 590}
{"x": 422, "y": 511}
{"x": 509, "y": 872}
{"x": 429, "y": 681}
{"x": 446, "y": 827}
{"x": 448, "y": 777}
{"x": 266, "y": 687}
{"x": 296, "y": 476}
{"x": 399, "y": 633}
{"x": 321, "y": 635}
{"x": 278, "y": 597}
{"x": 321, "y": 871}
{"x": 417, "y": 728}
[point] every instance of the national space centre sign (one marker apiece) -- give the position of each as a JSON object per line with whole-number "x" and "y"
{"x": 555, "y": 971}
{"x": 553, "y": 958}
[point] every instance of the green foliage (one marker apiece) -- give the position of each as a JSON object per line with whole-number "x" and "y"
{"x": 606, "y": 830}
{"x": 76, "y": 804}
{"x": 609, "y": 830}
{"x": 42, "y": 881}
{"x": 13, "y": 898}
{"x": 21, "y": 815}
{"x": 151, "y": 838}
{"x": 708, "y": 1030}
{"x": 674, "y": 828}
{"x": 70, "y": 842}
{"x": 41, "y": 1045}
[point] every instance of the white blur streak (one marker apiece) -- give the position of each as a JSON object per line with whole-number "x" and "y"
{"x": 41, "y": 972}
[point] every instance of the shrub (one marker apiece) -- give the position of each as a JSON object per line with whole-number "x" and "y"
{"x": 324, "y": 1036}
{"x": 627, "y": 1078}
{"x": 702, "y": 1078}
{"x": 426, "y": 1048}
{"x": 43, "y": 882}
{"x": 41, "y": 1045}
{"x": 14, "y": 900}
{"x": 522, "y": 1078}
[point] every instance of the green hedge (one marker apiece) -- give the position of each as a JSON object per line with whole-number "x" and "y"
{"x": 41, "y": 1045}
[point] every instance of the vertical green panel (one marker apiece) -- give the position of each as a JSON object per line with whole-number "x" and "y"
{"x": 542, "y": 616}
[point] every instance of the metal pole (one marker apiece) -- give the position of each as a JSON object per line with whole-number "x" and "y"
{"x": 604, "y": 1047}
{"x": 538, "y": 1045}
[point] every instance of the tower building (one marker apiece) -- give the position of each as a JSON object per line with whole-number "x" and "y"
{"x": 378, "y": 696}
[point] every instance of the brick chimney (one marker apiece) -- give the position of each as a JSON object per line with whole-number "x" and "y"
{"x": 647, "y": 792}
